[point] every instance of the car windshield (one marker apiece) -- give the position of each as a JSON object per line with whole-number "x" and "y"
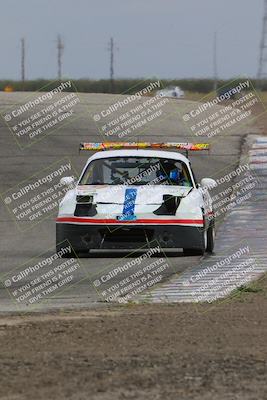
{"x": 136, "y": 171}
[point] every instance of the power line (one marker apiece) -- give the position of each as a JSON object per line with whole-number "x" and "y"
{"x": 215, "y": 64}
{"x": 23, "y": 60}
{"x": 111, "y": 49}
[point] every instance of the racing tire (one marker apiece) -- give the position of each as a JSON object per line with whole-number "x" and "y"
{"x": 60, "y": 247}
{"x": 62, "y": 243}
{"x": 199, "y": 251}
{"x": 210, "y": 237}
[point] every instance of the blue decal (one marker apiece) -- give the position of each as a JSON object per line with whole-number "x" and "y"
{"x": 129, "y": 205}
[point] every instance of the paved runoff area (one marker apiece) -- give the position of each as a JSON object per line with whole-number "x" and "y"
{"x": 240, "y": 255}
{"x": 39, "y": 142}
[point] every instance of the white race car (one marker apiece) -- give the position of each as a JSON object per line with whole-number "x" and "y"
{"x": 173, "y": 91}
{"x": 128, "y": 196}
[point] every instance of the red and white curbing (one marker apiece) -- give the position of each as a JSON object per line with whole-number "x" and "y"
{"x": 244, "y": 227}
{"x": 258, "y": 154}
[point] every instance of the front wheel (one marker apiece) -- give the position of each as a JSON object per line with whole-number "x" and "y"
{"x": 65, "y": 250}
{"x": 199, "y": 251}
{"x": 210, "y": 237}
{"x": 63, "y": 245}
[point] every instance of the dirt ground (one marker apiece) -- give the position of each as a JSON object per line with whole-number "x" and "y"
{"x": 174, "y": 352}
{"x": 139, "y": 352}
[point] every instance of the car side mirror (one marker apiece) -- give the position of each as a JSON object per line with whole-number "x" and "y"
{"x": 67, "y": 180}
{"x": 208, "y": 183}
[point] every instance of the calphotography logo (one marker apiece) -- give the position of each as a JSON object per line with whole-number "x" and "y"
{"x": 232, "y": 106}
{"x": 129, "y": 278}
{"x": 132, "y": 114}
{"x": 36, "y": 198}
{"x": 42, "y": 113}
{"x": 133, "y": 198}
{"x": 39, "y": 279}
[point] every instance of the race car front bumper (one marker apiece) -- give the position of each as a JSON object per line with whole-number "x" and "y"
{"x": 129, "y": 236}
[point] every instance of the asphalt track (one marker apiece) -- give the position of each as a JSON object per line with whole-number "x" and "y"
{"x": 18, "y": 246}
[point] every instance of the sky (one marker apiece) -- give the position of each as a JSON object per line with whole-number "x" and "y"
{"x": 163, "y": 38}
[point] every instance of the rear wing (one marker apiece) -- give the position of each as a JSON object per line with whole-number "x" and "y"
{"x": 144, "y": 145}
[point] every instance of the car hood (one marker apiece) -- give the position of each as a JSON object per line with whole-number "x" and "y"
{"x": 146, "y": 194}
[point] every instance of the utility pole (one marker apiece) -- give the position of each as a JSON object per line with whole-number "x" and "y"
{"x": 111, "y": 50}
{"x": 262, "y": 70}
{"x": 22, "y": 60}
{"x": 60, "y": 48}
{"x": 215, "y": 65}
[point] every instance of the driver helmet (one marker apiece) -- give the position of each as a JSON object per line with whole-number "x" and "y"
{"x": 169, "y": 171}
